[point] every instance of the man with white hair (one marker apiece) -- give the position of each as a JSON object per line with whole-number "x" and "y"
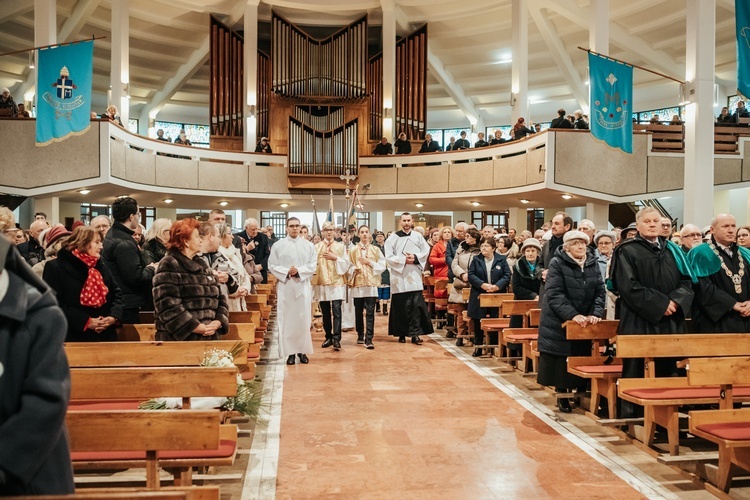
{"x": 654, "y": 282}
{"x": 329, "y": 286}
{"x": 33, "y": 251}
{"x": 691, "y": 236}
{"x": 586, "y": 226}
{"x": 256, "y": 244}
{"x": 101, "y": 225}
{"x": 723, "y": 305}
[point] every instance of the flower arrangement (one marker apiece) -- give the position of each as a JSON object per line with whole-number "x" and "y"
{"x": 246, "y": 402}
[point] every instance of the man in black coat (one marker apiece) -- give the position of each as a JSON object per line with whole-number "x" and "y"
{"x": 462, "y": 143}
{"x": 35, "y": 384}
{"x": 32, "y": 251}
{"x": 498, "y": 139}
{"x": 652, "y": 279}
{"x": 256, "y": 244}
{"x": 403, "y": 147}
{"x": 430, "y": 146}
{"x": 740, "y": 112}
{"x": 561, "y": 121}
{"x": 723, "y": 300}
{"x": 561, "y": 224}
{"x": 124, "y": 259}
{"x": 383, "y": 148}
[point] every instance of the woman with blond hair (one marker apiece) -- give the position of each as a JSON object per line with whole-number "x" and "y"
{"x": 230, "y": 261}
{"x": 157, "y": 237}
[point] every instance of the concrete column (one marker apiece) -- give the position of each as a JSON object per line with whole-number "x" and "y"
{"x": 520, "y": 66}
{"x": 389, "y": 67}
{"x": 250, "y": 56}
{"x": 699, "y": 119}
{"x": 50, "y": 206}
{"x": 599, "y": 27}
{"x": 722, "y": 203}
{"x": 120, "y": 70}
{"x": 598, "y": 214}
{"x": 517, "y": 219}
{"x": 166, "y": 213}
{"x": 389, "y": 221}
{"x": 739, "y": 205}
{"x": 45, "y": 33}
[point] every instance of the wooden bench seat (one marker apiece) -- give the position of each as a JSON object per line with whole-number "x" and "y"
{"x": 489, "y": 325}
{"x": 172, "y": 439}
{"x": 136, "y": 493}
{"x": 662, "y": 397}
{"x": 602, "y": 371}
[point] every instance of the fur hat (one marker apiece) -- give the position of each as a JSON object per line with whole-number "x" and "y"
{"x": 55, "y": 234}
{"x": 531, "y": 242}
{"x": 576, "y": 235}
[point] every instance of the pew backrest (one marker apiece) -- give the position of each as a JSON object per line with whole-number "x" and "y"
{"x": 494, "y": 299}
{"x": 113, "y": 354}
{"x": 683, "y": 345}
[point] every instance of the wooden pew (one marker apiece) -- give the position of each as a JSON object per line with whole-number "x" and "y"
{"x": 661, "y": 397}
{"x": 524, "y": 335}
{"x": 172, "y": 439}
{"x": 113, "y": 354}
{"x": 728, "y": 428}
{"x": 488, "y": 325}
{"x": 534, "y": 316}
{"x": 603, "y": 375}
{"x": 441, "y": 304}
{"x": 465, "y": 293}
{"x": 250, "y": 317}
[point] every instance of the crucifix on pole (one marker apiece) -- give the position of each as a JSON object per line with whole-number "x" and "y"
{"x": 347, "y": 177}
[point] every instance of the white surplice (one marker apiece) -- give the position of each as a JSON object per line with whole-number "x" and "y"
{"x": 406, "y": 277}
{"x": 294, "y": 294}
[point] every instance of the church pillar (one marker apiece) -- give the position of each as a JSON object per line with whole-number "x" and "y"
{"x": 389, "y": 67}
{"x": 699, "y": 118}
{"x": 389, "y": 221}
{"x": 519, "y": 98}
{"x": 599, "y": 27}
{"x": 721, "y": 204}
{"x": 120, "y": 70}
{"x": 51, "y": 207}
{"x": 250, "y": 54}
{"x": 517, "y": 219}
{"x": 45, "y": 33}
{"x": 599, "y": 215}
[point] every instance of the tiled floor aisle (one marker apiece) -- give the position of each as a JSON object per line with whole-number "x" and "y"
{"x": 406, "y": 421}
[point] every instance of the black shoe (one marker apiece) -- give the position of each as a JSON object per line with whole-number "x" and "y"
{"x": 450, "y": 335}
{"x": 385, "y": 309}
{"x": 563, "y": 404}
{"x": 416, "y": 340}
{"x": 402, "y": 340}
{"x": 477, "y": 352}
{"x": 377, "y": 307}
{"x": 459, "y": 342}
{"x": 360, "y": 340}
{"x": 290, "y": 360}
{"x": 327, "y": 343}
{"x": 368, "y": 344}
{"x": 336, "y": 345}
{"x": 303, "y": 359}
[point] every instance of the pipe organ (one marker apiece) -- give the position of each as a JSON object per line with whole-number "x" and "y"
{"x": 332, "y": 68}
{"x": 320, "y": 143}
{"x": 410, "y": 103}
{"x": 226, "y": 83}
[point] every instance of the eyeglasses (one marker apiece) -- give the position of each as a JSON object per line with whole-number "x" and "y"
{"x": 692, "y": 235}
{"x": 293, "y": 225}
{"x": 666, "y": 225}
{"x": 743, "y": 236}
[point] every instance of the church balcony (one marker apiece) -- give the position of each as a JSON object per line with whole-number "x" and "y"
{"x": 539, "y": 168}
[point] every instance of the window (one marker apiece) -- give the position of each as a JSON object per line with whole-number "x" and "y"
{"x": 275, "y": 219}
{"x": 91, "y": 210}
{"x": 665, "y": 114}
{"x": 197, "y": 134}
{"x": 494, "y": 219}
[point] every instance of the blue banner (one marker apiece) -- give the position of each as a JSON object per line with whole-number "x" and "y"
{"x": 64, "y": 92}
{"x": 611, "y": 85}
{"x": 742, "y": 23}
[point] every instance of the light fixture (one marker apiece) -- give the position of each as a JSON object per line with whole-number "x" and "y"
{"x": 513, "y": 98}
{"x": 524, "y": 201}
{"x": 32, "y": 56}
{"x": 126, "y": 89}
{"x": 566, "y": 197}
{"x": 419, "y": 205}
{"x": 686, "y": 93}
{"x": 475, "y": 203}
{"x": 284, "y": 205}
{"x": 123, "y": 196}
{"x": 251, "y": 111}
{"x": 223, "y": 203}
{"x": 84, "y": 191}
{"x": 387, "y": 113}
{"x": 168, "y": 200}
{"x": 588, "y": 77}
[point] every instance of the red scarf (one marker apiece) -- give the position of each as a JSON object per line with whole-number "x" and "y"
{"x": 94, "y": 292}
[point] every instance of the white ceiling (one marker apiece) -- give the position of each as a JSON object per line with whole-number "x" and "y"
{"x": 469, "y": 38}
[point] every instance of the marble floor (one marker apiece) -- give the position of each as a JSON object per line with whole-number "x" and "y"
{"x": 407, "y": 421}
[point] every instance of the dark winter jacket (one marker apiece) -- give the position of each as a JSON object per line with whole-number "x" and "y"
{"x": 478, "y": 276}
{"x": 66, "y": 275}
{"x": 525, "y": 281}
{"x": 32, "y": 251}
{"x": 570, "y": 291}
{"x": 186, "y": 294}
{"x": 153, "y": 251}
{"x": 123, "y": 257}
{"x": 35, "y": 385}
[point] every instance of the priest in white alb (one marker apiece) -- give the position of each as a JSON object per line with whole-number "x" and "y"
{"x": 406, "y": 253}
{"x": 293, "y": 261}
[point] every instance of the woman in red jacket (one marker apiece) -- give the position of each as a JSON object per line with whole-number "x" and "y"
{"x": 437, "y": 259}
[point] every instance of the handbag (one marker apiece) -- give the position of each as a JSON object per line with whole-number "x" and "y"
{"x": 458, "y": 284}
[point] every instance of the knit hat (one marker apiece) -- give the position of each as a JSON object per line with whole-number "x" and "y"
{"x": 576, "y": 235}
{"x": 55, "y": 234}
{"x": 608, "y": 234}
{"x": 531, "y": 242}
